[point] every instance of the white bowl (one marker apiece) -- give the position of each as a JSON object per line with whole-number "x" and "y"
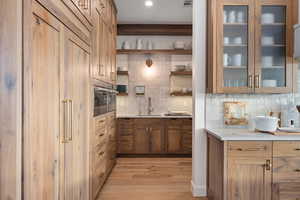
{"x": 266, "y": 123}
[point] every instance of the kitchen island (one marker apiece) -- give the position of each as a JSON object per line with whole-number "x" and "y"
{"x": 245, "y": 165}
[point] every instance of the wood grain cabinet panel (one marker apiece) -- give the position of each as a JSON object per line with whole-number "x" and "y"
{"x": 44, "y": 90}
{"x": 286, "y": 149}
{"x": 250, "y": 149}
{"x": 286, "y": 191}
{"x": 154, "y": 136}
{"x": 262, "y": 170}
{"x": 248, "y": 179}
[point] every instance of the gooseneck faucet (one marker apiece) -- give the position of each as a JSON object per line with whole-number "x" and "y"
{"x": 150, "y": 108}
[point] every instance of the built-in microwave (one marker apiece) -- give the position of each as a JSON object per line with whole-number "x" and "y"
{"x": 104, "y": 100}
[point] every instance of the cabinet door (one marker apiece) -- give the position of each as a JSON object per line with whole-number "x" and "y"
{"x": 141, "y": 140}
{"x": 98, "y": 67}
{"x": 42, "y": 105}
{"x": 235, "y": 46}
{"x": 125, "y": 136}
{"x": 174, "y": 135}
{"x": 274, "y": 59}
{"x": 75, "y": 74}
{"x": 249, "y": 178}
{"x": 156, "y": 138}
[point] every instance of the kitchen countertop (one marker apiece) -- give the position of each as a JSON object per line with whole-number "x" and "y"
{"x": 153, "y": 116}
{"x": 250, "y": 135}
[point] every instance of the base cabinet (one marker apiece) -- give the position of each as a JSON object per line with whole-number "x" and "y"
{"x": 154, "y": 136}
{"x": 103, "y": 150}
{"x": 246, "y": 170}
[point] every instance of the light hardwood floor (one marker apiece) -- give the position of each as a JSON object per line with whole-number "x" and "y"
{"x": 150, "y": 179}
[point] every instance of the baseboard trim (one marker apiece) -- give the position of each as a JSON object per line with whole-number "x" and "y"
{"x": 198, "y": 190}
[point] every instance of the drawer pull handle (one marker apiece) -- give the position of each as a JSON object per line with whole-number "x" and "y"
{"x": 297, "y": 170}
{"x": 268, "y": 165}
{"x": 101, "y": 153}
{"x": 101, "y": 135}
{"x": 250, "y": 149}
{"x": 298, "y": 149}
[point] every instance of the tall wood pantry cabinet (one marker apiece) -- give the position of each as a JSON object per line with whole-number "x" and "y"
{"x": 57, "y": 100}
{"x": 250, "y": 46}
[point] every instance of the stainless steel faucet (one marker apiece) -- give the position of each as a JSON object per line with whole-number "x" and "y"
{"x": 150, "y": 108}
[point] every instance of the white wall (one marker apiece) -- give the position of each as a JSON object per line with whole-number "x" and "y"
{"x": 199, "y": 76}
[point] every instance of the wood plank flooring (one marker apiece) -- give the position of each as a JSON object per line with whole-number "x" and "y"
{"x": 150, "y": 179}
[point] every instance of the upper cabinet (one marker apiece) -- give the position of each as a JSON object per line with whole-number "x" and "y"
{"x": 250, "y": 46}
{"x": 104, "y": 47}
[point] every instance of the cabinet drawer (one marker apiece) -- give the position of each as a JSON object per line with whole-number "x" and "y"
{"x": 126, "y": 123}
{"x": 286, "y": 191}
{"x": 286, "y": 169}
{"x": 282, "y": 149}
{"x": 250, "y": 148}
{"x": 174, "y": 123}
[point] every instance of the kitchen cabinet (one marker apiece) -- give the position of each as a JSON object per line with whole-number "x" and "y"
{"x": 57, "y": 104}
{"x": 81, "y": 8}
{"x": 154, "y": 136}
{"x": 75, "y": 75}
{"x": 104, "y": 56}
{"x": 251, "y": 46}
{"x": 261, "y": 170}
{"x": 103, "y": 150}
{"x": 179, "y": 136}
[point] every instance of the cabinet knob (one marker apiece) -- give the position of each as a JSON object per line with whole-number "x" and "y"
{"x": 297, "y": 170}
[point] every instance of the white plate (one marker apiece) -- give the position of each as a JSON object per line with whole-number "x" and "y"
{"x": 289, "y": 130}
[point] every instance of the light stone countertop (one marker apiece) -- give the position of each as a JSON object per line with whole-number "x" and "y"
{"x": 249, "y": 135}
{"x": 153, "y": 116}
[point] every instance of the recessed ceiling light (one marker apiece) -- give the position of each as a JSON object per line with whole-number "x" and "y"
{"x": 148, "y": 3}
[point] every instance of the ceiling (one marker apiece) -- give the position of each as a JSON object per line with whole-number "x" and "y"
{"x": 162, "y": 12}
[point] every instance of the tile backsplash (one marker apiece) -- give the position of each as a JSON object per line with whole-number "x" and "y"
{"x": 157, "y": 84}
{"x": 256, "y": 105}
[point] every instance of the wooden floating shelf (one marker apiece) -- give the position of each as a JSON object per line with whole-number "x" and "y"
{"x": 122, "y": 72}
{"x": 181, "y": 94}
{"x": 122, "y": 94}
{"x": 157, "y": 51}
{"x": 182, "y": 73}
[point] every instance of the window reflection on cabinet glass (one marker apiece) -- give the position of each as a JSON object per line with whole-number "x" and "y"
{"x": 235, "y": 39}
{"x": 273, "y": 49}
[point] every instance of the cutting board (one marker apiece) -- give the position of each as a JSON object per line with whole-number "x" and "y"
{"x": 279, "y": 133}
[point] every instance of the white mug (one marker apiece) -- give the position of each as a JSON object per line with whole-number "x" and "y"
{"x": 139, "y": 44}
{"x": 226, "y": 40}
{"x": 267, "y": 61}
{"x": 149, "y": 45}
{"x": 267, "y": 40}
{"x": 237, "y": 60}
{"x": 268, "y": 18}
{"x": 126, "y": 45}
{"x": 238, "y": 40}
{"x": 226, "y": 59}
{"x": 225, "y": 17}
{"x": 232, "y": 17}
{"x": 240, "y": 17}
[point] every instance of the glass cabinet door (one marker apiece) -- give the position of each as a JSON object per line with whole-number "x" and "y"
{"x": 235, "y": 59}
{"x": 272, "y": 69}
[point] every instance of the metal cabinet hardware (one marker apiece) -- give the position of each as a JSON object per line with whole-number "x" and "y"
{"x": 268, "y": 165}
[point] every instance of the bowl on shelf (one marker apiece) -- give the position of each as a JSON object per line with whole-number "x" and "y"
{"x": 180, "y": 68}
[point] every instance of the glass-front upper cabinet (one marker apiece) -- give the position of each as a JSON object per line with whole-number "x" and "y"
{"x": 236, "y": 48}
{"x": 250, "y": 46}
{"x": 274, "y": 72}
